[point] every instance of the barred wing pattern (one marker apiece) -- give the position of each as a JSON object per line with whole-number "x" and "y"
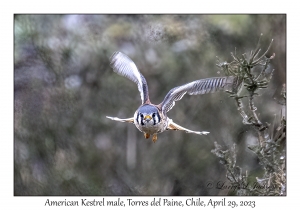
{"x": 202, "y": 86}
{"x": 124, "y": 66}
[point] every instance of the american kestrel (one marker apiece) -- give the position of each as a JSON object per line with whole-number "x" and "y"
{"x": 152, "y": 119}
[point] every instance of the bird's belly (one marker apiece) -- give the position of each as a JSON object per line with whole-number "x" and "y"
{"x": 151, "y": 129}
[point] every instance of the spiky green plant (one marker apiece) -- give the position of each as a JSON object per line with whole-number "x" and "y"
{"x": 270, "y": 146}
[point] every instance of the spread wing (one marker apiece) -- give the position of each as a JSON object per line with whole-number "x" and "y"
{"x": 124, "y": 66}
{"x": 202, "y": 86}
{"x": 176, "y": 127}
{"x": 129, "y": 120}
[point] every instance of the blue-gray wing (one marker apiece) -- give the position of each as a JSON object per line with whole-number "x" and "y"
{"x": 202, "y": 86}
{"x": 124, "y": 66}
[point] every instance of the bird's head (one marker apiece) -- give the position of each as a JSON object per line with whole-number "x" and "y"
{"x": 147, "y": 115}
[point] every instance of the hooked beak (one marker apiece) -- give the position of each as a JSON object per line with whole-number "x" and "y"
{"x": 147, "y": 118}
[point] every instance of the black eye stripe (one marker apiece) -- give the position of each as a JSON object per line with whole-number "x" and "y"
{"x": 137, "y": 117}
{"x": 142, "y": 118}
{"x": 156, "y": 118}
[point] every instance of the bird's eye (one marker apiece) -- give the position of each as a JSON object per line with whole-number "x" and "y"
{"x": 142, "y": 116}
{"x": 153, "y": 115}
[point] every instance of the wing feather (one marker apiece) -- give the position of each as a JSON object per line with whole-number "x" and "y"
{"x": 129, "y": 120}
{"x": 174, "y": 126}
{"x": 124, "y": 66}
{"x": 197, "y": 87}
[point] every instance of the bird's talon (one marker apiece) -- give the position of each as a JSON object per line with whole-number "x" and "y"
{"x": 154, "y": 138}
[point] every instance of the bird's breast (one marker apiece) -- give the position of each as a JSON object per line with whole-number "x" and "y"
{"x": 150, "y": 128}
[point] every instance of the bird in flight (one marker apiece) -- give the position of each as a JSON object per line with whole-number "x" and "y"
{"x": 152, "y": 119}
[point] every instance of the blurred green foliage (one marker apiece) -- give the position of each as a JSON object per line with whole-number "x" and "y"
{"x": 64, "y": 88}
